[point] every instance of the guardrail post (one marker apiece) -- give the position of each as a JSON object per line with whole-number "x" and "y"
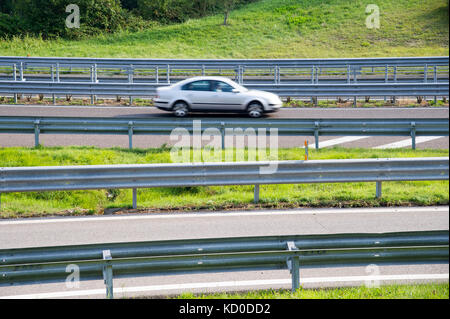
{"x": 168, "y": 74}
{"x": 395, "y": 81}
{"x": 277, "y": 74}
{"x": 295, "y": 273}
{"x": 386, "y": 78}
{"x": 240, "y": 74}
{"x": 57, "y": 72}
{"x": 157, "y": 74}
{"x": 435, "y": 81}
{"x": 378, "y": 190}
{"x": 108, "y": 274}
{"x": 15, "y": 79}
{"x": 355, "y": 80}
{"x": 348, "y": 73}
{"x": 203, "y": 70}
{"x": 130, "y": 74}
{"x": 222, "y": 134}
{"x": 93, "y": 81}
{"x": 316, "y": 134}
{"x": 413, "y": 135}
{"x": 293, "y": 264}
{"x": 425, "y": 77}
{"x": 53, "y": 80}
{"x": 92, "y": 73}
{"x": 256, "y": 194}
{"x": 130, "y": 135}
{"x": 21, "y": 72}
{"x": 36, "y": 133}
{"x": 425, "y": 73}
{"x": 134, "y": 198}
{"x": 130, "y": 79}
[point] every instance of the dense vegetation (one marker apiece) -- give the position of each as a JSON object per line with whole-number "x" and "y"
{"x": 47, "y": 18}
{"x": 260, "y": 29}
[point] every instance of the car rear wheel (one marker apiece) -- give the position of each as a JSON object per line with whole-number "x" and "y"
{"x": 180, "y": 109}
{"x": 255, "y": 110}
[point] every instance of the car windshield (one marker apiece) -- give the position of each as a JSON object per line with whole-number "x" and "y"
{"x": 240, "y": 87}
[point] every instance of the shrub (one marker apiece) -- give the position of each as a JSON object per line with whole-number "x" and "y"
{"x": 47, "y": 17}
{"x": 9, "y": 25}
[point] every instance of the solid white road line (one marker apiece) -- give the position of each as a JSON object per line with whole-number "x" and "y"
{"x": 340, "y": 140}
{"x": 318, "y": 211}
{"x": 408, "y": 142}
{"x": 223, "y": 284}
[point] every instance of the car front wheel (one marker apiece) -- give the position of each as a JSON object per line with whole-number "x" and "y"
{"x": 255, "y": 110}
{"x": 180, "y": 109}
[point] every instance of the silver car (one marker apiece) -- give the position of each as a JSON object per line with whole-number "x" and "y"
{"x": 214, "y": 94}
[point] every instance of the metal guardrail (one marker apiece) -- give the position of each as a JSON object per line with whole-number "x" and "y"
{"x": 292, "y": 90}
{"x": 421, "y": 76}
{"x": 226, "y": 126}
{"x": 443, "y": 60}
{"x": 66, "y": 178}
{"x": 119, "y": 260}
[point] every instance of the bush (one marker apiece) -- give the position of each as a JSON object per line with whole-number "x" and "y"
{"x": 47, "y": 17}
{"x": 166, "y": 11}
{"x": 9, "y": 25}
{"x": 170, "y": 11}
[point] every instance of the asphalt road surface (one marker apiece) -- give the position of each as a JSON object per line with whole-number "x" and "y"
{"x": 146, "y": 227}
{"x": 27, "y": 140}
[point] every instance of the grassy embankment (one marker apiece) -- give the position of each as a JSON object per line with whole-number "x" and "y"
{"x": 209, "y": 198}
{"x": 413, "y": 291}
{"x": 271, "y": 29}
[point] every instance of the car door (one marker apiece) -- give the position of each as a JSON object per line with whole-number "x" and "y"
{"x": 225, "y": 98}
{"x": 199, "y": 94}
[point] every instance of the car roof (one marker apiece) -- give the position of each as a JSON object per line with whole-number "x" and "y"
{"x": 199, "y": 78}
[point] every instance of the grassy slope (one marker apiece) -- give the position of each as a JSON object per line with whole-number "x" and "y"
{"x": 273, "y": 29}
{"x": 417, "y": 291}
{"x": 214, "y": 198}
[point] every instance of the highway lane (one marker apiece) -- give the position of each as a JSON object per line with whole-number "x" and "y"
{"x": 146, "y": 112}
{"x": 83, "y": 230}
{"x": 8, "y": 140}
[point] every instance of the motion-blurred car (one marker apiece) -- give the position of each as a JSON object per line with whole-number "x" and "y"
{"x": 214, "y": 94}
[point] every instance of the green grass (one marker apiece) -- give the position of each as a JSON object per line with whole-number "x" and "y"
{"x": 209, "y": 198}
{"x": 415, "y": 291}
{"x": 271, "y": 29}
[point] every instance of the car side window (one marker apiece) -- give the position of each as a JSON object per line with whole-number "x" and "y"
{"x": 197, "y": 86}
{"x": 222, "y": 87}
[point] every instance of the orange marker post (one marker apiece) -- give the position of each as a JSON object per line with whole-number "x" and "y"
{"x": 306, "y": 150}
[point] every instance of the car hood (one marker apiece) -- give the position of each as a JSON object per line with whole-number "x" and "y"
{"x": 263, "y": 94}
